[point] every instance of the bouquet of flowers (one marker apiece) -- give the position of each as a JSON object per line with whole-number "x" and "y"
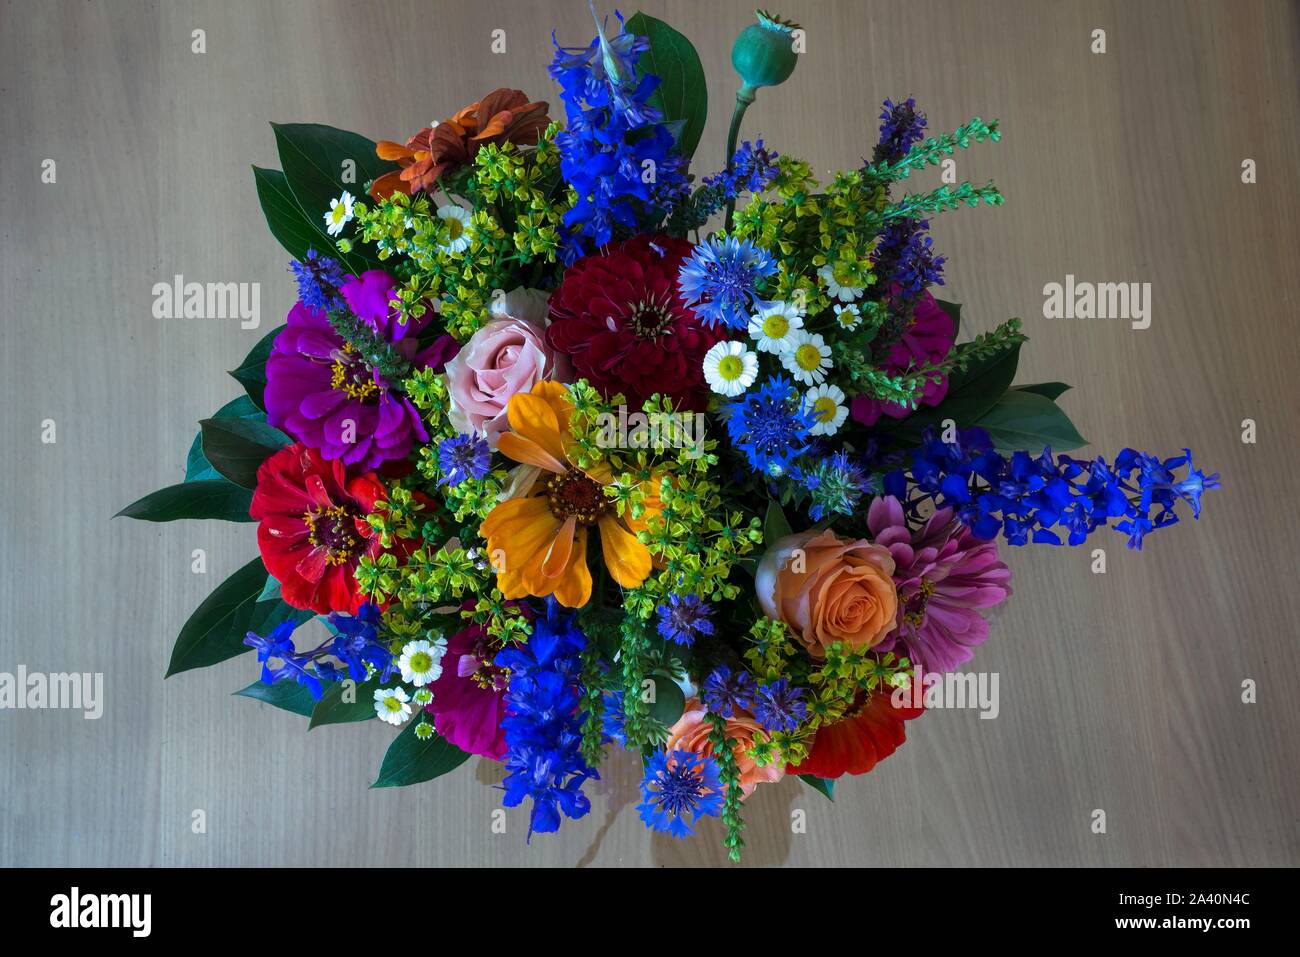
{"x": 567, "y": 449}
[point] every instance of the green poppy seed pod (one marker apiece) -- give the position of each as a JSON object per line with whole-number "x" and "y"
{"x": 764, "y": 53}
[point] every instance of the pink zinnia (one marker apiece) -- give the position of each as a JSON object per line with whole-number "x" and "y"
{"x": 928, "y": 339}
{"x": 945, "y": 577}
{"x": 468, "y": 699}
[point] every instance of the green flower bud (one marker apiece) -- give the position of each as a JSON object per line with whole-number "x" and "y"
{"x": 764, "y": 54}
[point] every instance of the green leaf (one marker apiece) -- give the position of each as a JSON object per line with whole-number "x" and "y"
{"x": 271, "y": 590}
{"x": 669, "y": 701}
{"x": 207, "y": 498}
{"x": 1029, "y": 421}
{"x": 1052, "y": 390}
{"x": 197, "y": 466}
{"x": 412, "y": 761}
{"x": 953, "y": 309}
{"x": 236, "y": 447}
{"x": 970, "y": 395}
{"x": 824, "y": 785}
{"x": 683, "y": 93}
{"x": 314, "y": 159}
{"x": 251, "y": 373}
{"x": 216, "y": 630}
{"x": 775, "y": 524}
{"x": 285, "y": 695}
{"x": 333, "y": 709}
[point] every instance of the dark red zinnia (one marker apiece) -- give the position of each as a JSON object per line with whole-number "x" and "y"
{"x": 869, "y": 733}
{"x": 620, "y": 318}
{"x": 312, "y": 530}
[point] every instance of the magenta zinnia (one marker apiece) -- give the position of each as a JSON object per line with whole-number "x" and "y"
{"x": 321, "y": 391}
{"x": 945, "y": 577}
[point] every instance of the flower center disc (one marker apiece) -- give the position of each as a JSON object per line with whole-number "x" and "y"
{"x": 650, "y": 318}
{"x": 351, "y": 376}
{"x": 575, "y": 494}
{"x": 332, "y": 529}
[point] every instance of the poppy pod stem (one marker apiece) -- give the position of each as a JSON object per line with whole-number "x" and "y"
{"x": 744, "y": 96}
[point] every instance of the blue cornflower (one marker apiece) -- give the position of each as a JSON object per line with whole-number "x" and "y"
{"x": 676, "y": 785}
{"x": 780, "y": 707}
{"x": 720, "y": 280}
{"x": 613, "y": 718}
{"x": 684, "y": 618}
{"x": 725, "y": 691}
{"x": 319, "y": 278}
{"x": 901, "y": 126}
{"x": 753, "y": 168}
{"x": 835, "y": 485}
{"x": 543, "y": 723}
{"x": 461, "y": 457}
{"x": 771, "y": 426}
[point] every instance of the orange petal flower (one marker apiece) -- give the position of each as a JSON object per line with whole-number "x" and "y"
{"x": 538, "y": 542}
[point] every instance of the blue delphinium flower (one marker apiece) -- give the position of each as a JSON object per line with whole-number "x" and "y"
{"x": 771, "y": 426}
{"x": 461, "y": 457}
{"x": 684, "y": 618}
{"x": 726, "y": 691}
{"x": 319, "y": 278}
{"x": 356, "y": 642}
{"x": 1026, "y": 498}
{"x": 901, "y": 126}
{"x": 613, "y": 718}
{"x": 676, "y": 785}
{"x": 613, "y": 139}
{"x": 543, "y": 723}
{"x": 780, "y": 707}
{"x": 719, "y": 280}
{"x": 279, "y": 646}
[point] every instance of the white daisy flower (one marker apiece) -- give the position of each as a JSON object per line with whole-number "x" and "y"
{"x": 730, "y": 368}
{"x": 807, "y": 357}
{"x": 457, "y": 220}
{"x": 834, "y": 289}
{"x": 392, "y": 705}
{"x": 422, "y": 697}
{"x": 424, "y": 731}
{"x": 340, "y": 213}
{"x": 421, "y": 661}
{"x": 825, "y": 403}
{"x": 773, "y": 325}
{"x": 848, "y": 316}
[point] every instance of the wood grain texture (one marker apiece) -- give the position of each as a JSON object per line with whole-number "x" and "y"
{"x": 1118, "y": 691}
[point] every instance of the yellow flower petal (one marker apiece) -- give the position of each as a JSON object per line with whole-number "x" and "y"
{"x": 627, "y": 559}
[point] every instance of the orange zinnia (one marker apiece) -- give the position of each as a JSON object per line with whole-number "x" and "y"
{"x": 503, "y": 116}
{"x": 542, "y": 535}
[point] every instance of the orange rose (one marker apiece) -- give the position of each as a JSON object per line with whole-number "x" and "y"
{"x": 691, "y": 733}
{"x": 829, "y": 589}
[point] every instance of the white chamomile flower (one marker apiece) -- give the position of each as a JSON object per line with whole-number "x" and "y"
{"x": 457, "y": 220}
{"x": 422, "y": 697}
{"x": 807, "y": 357}
{"x": 825, "y": 403}
{"x": 340, "y": 213}
{"x": 421, "y": 661}
{"x": 848, "y": 316}
{"x": 834, "y": 289}
{"x": 773, "y": 325}
{"x": 730, "y": 368}
{"x": 392, "y": 705}
{"x": 424, "y": 731}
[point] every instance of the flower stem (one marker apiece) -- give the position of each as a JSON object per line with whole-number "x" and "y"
{"x": 744, "y": 97}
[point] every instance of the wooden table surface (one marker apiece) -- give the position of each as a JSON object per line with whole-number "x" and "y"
{"x": 1119, "y": 691}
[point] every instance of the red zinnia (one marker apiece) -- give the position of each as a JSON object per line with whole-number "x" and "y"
{"x": 312, "y": 529}
{"x": 621, "y": 319}
{"x": 856, "y": 743}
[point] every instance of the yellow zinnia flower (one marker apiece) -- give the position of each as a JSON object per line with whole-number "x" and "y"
{"x": 539, "y": 540}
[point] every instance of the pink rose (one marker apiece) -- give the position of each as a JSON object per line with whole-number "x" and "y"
{"x": 506, "y": 356}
